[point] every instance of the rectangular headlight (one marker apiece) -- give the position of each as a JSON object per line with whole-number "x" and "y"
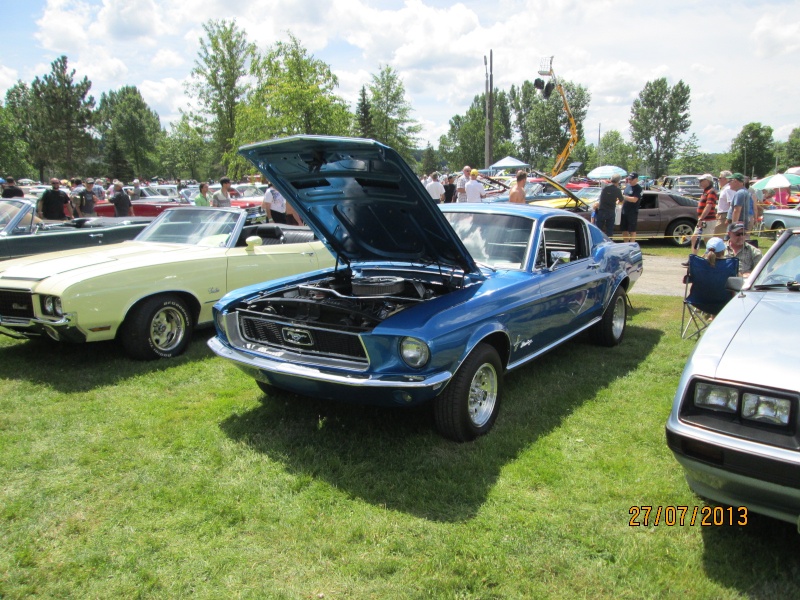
{"x": 766, "y": 409}
{"x": 716, "y": 397}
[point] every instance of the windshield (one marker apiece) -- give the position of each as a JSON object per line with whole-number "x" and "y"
{"x": 196, "y": 227}
{"x": 784, "y": 266}
{"x": 495, "y": 240}
{"x": 8, "y": 210}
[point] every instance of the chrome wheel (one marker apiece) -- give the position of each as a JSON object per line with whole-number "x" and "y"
{"x": 482, "y": 395}
{"x": 682, "y": 234}
{"x": 618, "y": 318}
{"x": 167, "y": 329}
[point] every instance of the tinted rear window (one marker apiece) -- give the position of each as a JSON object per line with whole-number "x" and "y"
{"x": 683, "y": 200}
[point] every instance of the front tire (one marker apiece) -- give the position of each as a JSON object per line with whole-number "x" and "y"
{"x": 469, "y": 405}
{"x": 778, "y": 228}
{"x": 159, "y": 327}
{"x": 680, "y": 232}
{"x": 611, "y": 328}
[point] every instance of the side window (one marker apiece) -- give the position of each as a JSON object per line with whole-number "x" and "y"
{"x": 649, "y": 200}
{"x": 562, "y": 234}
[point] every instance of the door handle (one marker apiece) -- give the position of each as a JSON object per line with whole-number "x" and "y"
{"x": 95, "y": 235}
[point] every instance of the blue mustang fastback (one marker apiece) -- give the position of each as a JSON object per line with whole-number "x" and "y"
{"x": 426, "y": 302}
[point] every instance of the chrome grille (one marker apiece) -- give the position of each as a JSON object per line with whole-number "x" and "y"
{"x": 310, "y": 340}
{"x": 16, "y": 304}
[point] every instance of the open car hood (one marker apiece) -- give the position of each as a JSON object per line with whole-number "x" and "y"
{"x": 361, "y": 199}
{"x": 578, "y": 202}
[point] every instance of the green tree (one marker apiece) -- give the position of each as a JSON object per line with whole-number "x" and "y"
{"x": 791, "y": 150}
{"x": 13, "y": 147}
{"x": 391, "y": 113}
{"x": 21, "y": 107}
{"x": 184, "y": 150}
{"x": 62, "y": 110}
{"x": 688, "y": 158}
{"x": 753, "y": 150}
{"x": 218, "y": 80}
{"x": 294, "y": 93}
{"x": 614, "y": 150}
{"x": 136, "y": 126}
{"x": 430, "y": 162}
{"x": 115, "y": 161}
{"x": 543, "y": 124}
{"x": 363, "y": 120}
{"x": 586, "y": 154}
{"x": 659, "y": 116}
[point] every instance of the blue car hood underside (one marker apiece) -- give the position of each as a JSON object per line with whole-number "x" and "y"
{"x": 361, "y": 199}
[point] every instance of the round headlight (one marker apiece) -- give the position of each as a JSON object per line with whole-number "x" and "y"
{"x": 415, "y": 352}
{"x": 48, "y": 305}
{"x": 57, "y": 307}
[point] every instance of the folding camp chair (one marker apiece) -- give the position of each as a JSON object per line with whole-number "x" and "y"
{"x": 705, "y": 294}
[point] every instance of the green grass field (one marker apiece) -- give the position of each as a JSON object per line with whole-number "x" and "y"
{"x": 179, "y": 478}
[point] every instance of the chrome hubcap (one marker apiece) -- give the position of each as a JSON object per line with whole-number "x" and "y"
{"x": 618, "y": 318}
{"x": 167, "y": 329}
{"x": 482, "y": 395}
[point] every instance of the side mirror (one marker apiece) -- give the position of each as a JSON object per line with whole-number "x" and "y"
{"x": 253, "y": 241}
{"x": 734, "y": 284}
{"x": 558, "y": 257}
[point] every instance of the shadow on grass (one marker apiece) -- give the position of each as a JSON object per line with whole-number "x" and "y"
{"x": 71, "y": 368}
{"x": 760, "y": 559}
{"x": 395, "y": 458}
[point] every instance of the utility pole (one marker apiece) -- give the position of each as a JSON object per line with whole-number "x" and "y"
{"x": 488, "y": 143}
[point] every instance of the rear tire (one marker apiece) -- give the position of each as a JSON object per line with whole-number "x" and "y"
{"x": 159, "y": 327}
{"x": 469, "y": 405}
{"x": 611, "y": 328}
{"x": 680, "y": 232}
{"x": 778, "y": 228}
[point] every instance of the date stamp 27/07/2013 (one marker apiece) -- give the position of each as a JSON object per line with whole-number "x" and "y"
{"x": 672, "y": 516}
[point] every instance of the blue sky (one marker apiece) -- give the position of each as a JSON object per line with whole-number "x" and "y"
{"x": 739, "y": 58}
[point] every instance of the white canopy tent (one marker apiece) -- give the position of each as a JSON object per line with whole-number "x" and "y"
{"x": 509, "y": 162}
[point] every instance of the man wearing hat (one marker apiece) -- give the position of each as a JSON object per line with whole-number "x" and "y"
{"x": 706, "y": 211}
{"x": 740, "y": 210}
{"x": 474, "y": 188}
{"x": 747, "y": 254}
{"x": 724, "y": 203}
{"x": 632, "y": 197}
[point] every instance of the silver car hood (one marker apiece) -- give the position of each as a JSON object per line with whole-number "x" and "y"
{"x": 753, "y": 338}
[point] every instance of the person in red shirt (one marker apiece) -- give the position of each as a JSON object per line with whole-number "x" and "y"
{"x": 706, "y": 211}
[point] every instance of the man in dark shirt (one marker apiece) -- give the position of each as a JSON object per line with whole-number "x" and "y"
{"x": 121, "y": 201}
{"x": 610, "y": 196}
{"x": 51, "y": 204}
{"x": 11, "y": 190}
{"x": 449, "y": 189}
{"x": 632, "y": 197}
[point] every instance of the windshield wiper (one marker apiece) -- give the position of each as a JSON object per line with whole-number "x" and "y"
{"x": 789, "y": 285}
{"x": 480, "y": 264}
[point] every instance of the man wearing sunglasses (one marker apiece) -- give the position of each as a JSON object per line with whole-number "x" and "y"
{"x": 747, "y": 254}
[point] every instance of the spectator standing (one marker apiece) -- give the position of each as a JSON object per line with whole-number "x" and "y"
{"x": 517, "y": 193}
{"x": 450, "y": 189}
{"x": 11, "y": 190}
{"x": 222, "y": 197}
{"x": 137, "y": 190}
{"x": 724, "y": 203}
{"x": 461, "y": 184}
{"x": 203, "y": 197}
{"x": 54, "y": 203}
{"x": 435, "y": 188}
{"x": 706, "y": 211}
{"x": 610, "y": 196}
{"x": 99, "y": 191}
{"x": 632, "y": 197}
{"x": 474, "y": 188}
{"x": 748, "y": 255}
{"x": 274, "y": 205}
{"x": 781, "y": 197}
{"x": 123, "y": 207}
{"x": 739, "y": 211}
{"x": 77, "y": 196}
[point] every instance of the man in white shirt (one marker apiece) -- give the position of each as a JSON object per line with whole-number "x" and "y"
{"x": 474, "y": 188}
{"x": 435, "y": 188}
{"x": 274, "y": 205}
{"x": 724, "y": 204}
{"x": 461, "y": 185}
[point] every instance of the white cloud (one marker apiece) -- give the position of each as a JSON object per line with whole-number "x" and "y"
{"x": 777, "y": 33}
{"x": 8, "y": 77}
{"x": 167, "y": 58}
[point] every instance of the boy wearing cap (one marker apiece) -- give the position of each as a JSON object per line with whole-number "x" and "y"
{"x": 630, "y": 208}
{"x": 747, "y": 254}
